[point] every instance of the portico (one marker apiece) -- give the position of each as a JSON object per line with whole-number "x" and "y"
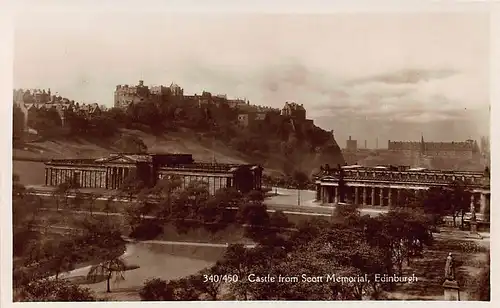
{"x": 387, "y": 188}
{"x": 365, "y": 194}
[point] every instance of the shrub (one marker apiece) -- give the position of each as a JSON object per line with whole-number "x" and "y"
{"x": 146, "y": 231}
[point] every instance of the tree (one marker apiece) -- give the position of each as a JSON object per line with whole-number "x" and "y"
{"x": 92, "y": 198}
{"x": 167, "y": 191}
{"x": 25, "y": 217}
{"x": 308, "y": 230}
{"x": 64, "y": 191}
{"x": 484, "y": 283}
{"x": 102, "y": 240}
{"x": 192, "y": 201}
{"x": 401, "y": 234}
{"x": 460, "y": 200}
{"x": 185, "y": 289}
{"x": 239, "y": 260}
{"x": 254, "y": 215}
{"x": 131, "y": 144}
{"x": 47, "y": 122}
{"x": 60, "y": 256}
{"x": 218, "y": 212}
{"x": 107, "y": 268}
{"x": 156, "y": 289}
{"x": 133, "y": 184}
{"x": 209, "y": 280}
{"x": 18, "y": 124}
{"x": 349, "y": 213}
{"x": 46, "y": 290}
{"x": 436, "y": 202}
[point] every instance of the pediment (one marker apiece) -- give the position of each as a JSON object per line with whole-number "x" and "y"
{"x": 120, "y": 159}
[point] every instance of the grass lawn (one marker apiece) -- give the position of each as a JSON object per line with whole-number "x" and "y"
{"x": 469, "y": 256}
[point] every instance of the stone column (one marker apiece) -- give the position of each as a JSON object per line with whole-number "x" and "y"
{"x": 363, "y": 189}
{"x": 112, "y": 175}
{"x": 116, "y": 172}
{"x": 381, "y": 195}
{"x": 318, "y": 192}
{"x": 356, "y": 195}
{"x": 118, "y": 177}
{"x": 108, "y": 179}
{"x": 373, "y": 196}
{"x": 473, "y": 222}
{"x": 389, "y": 197}
{"x": 336, "y": 194}
{"x": 482, "y": 207}
{"x": 398, "y": 196}
{"x": 46, "y": 177}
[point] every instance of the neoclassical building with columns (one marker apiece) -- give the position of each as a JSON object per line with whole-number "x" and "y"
{"x": 387, "y": 186}
{"x": 110, "y": 172}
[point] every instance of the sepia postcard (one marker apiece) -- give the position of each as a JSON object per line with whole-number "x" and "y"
{"x": 163, "y": 154}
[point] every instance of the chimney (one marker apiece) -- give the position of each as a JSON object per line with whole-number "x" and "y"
{"x": 376, "y": 143}
{"x": 366, "y": 146}
{"x": 349, "y": 137}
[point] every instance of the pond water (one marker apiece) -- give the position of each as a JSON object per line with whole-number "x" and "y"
{"x": 150, "y": 261}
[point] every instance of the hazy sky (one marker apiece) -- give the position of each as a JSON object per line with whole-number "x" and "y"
{"x": 385, "y": 76}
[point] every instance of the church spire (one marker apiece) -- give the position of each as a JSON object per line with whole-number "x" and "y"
{"x": 422, "y": 143}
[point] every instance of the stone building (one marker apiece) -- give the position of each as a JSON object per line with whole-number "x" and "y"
{"x": 126, "y": 95}
{"x": 250, "y": 119}
{"x": 295, "y": 111}
{"x": 384, "y": 186}
{"x": 237, "y": 102}
{"x": 110, "y": 172}
{"x": 351, "y": 145}
{"x": 29, "y": 101}
{"x": 468, "y": 149}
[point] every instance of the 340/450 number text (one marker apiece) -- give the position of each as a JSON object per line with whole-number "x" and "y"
{"x": 220, "y": 278}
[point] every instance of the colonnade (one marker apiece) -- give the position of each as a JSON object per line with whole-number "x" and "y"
{"x": 367, "y": 195}
{"x": 116, "y": 176}
{"x": 110, "y": 177}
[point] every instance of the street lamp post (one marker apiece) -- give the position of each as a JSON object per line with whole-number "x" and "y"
{"x": 298, "y": 195}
